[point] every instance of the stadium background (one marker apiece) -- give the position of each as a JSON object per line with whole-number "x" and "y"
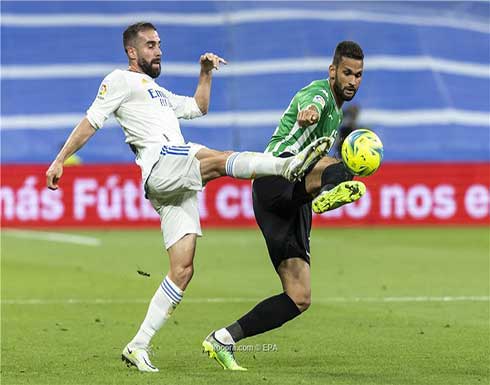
{"x": 425, "y": 92}
{"x": 391, "y": 304}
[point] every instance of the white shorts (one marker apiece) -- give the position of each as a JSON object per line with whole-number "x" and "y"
{"x": 172, "y": 190}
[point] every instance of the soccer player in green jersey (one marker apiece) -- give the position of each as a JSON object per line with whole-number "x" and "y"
{"x": 283, "y": 209}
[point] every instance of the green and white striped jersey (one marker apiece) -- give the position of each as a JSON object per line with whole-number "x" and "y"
{"x": 289, "y": 136}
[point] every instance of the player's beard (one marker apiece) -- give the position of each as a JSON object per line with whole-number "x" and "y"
{"x": 148, "y": 68}
{"x": 341, "y": 91}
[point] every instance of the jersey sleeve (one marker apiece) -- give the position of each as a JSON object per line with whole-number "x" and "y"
{"x": 313, "y": 96}
{"x": 185, "y": 107}
{"x": 113, "y": 91}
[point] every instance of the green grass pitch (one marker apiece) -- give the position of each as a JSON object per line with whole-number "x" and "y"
{"x": 362, "y": 328}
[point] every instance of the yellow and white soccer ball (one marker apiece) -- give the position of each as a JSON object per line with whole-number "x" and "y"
{"x": 362, "y": 152}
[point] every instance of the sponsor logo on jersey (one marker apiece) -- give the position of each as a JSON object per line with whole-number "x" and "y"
{"x": 155, "y": 93}
{"x": 320, "y": 100}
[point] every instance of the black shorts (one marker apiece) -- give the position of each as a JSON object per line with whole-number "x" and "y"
{"x": 283, "y": 212}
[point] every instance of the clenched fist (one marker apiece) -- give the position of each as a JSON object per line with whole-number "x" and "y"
{"x": 308, "y": 117}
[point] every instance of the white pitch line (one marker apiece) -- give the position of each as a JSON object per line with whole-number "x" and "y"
{"x": 409, "y": 299}
{"x": 327, "y": 300}
{"x": 53, "y": 237}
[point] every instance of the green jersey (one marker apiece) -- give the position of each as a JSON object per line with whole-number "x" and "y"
{"x": 290, "y": 136}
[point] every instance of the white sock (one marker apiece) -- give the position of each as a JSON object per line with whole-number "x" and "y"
{"x": 250, "y": 165}
{"x": 224, "y": 336}
{"x": 163, "y": 303}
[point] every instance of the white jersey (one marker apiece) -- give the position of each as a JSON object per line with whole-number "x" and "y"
{"x": 147, "y": 113}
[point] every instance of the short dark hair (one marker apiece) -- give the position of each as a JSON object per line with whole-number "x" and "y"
{"x": 131, "y": 33}
{"x": 348, "y": 49}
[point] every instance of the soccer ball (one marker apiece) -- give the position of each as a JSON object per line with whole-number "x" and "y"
{"x": 362, "y": 152}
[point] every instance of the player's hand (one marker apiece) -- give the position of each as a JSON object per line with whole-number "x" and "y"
{"x": 210, "y": 61}
{"x": 308, "y": 117}
{"x": 53, "y": 175}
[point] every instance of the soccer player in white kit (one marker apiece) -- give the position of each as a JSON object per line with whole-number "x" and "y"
{"x": 173, "y": 171}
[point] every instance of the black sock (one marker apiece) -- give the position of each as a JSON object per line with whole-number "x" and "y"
{"x": 266, "y": 315}
{"x": 334, "y": 174}
{"x": 235, "y": 331}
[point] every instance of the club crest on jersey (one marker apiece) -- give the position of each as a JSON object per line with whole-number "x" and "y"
{"x": 160, "y": 95}
{"x": 320, "y": 100}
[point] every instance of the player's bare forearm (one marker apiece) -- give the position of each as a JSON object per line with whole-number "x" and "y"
{"x": 78, "y": 137}
{"x": 308, "y": 116}
{"x": 208, "y": 61}
{"x": 203, "y": 91}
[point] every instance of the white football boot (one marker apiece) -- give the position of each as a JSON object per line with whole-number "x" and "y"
{"x": 138, "y": 357}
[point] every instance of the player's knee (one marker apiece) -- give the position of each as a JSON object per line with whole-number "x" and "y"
{"x": 302, "y": 299}
{"x": 304, "y": 303}
{"x": 184, "y": 273}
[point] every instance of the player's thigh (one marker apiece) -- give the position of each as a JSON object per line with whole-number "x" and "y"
{"x": 285, "y": 226}
{"x": 212, "y": 163}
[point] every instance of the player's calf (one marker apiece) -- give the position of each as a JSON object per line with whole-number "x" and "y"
{"x": 295, "y": 278}
{"x": 212, "y": 163}
{"x": 251, "y": 165}
{"x": 240, "y": 165}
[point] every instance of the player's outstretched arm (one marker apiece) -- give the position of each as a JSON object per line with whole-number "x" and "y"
{"x": 209, "y": 62}
{"x": 78, "y": 137}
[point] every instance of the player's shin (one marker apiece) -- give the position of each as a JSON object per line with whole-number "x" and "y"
{"x": 250, "y": 165}
{"x": 163, "y": 303}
